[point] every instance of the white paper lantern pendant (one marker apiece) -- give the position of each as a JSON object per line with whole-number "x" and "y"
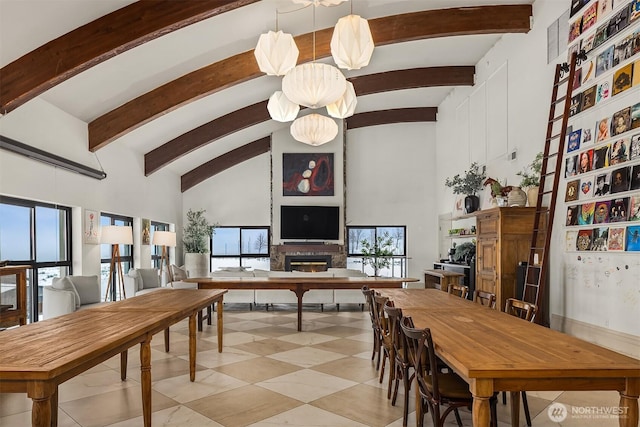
{"x": 352, "y": 43}
{"x": 281, "y": 109}
{"x": 345, "y": 106}
{"x": 314, "y": 129}
{"x": 276, "y": 53}
{"x": 314, "y": 84}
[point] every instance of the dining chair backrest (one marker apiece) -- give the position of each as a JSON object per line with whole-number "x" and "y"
{"x": 521, "y": 309}
{"x": 458, "y": 290}
{"x": 423, "y": 356}
{"x": 394, "y": 315}
{"x": 368, "y": 297}
{"x": 485, "y": 298}
{"x": 379, "y": 302}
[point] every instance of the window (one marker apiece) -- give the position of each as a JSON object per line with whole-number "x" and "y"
{"x": 126, "y": 256}
{"x": 39, "y": 235}
{"x": 240, "y": 247}
{"x": 397, "y": 234}
{"x": 156, "y": 251}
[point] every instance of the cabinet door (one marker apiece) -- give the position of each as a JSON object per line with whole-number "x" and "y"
{"x": 486, "y": 256}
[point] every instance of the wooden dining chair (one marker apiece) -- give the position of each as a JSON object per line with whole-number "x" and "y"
{"x": 458, "y": 290}
{"x": 368, "y": 297}
{"x": 434, "y": 387}
{"x": 382, "y": 322}
{"x": 526, "y": 311}
{"x": 485, "y": 298}
{"x": 401, "y": 360}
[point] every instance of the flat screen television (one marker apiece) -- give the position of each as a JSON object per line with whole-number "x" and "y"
{"x": 309, "y": 222}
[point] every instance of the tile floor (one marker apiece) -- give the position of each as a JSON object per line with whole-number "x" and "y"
{"x": 268, "y": 375}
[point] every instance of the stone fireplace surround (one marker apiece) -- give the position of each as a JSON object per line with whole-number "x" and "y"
{"x": 336, "y": 252}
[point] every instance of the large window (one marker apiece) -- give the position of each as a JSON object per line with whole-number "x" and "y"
{"x": 126, "y": 256}
{"x": 240, "y": 247}
{"x": 397, "y": 235}
{"x": 156, "y": 251}
{"x": 39, "y": 235}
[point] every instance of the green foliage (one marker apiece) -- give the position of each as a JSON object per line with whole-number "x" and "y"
{"x": 464, "y": 251}
{"x": 378, "y": 254}
{"x": 470, "y": 183}
{"x": 197, "y": 232}
{"x": 531, "y": 173}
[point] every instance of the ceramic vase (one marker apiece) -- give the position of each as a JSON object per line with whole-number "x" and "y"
{"x": 532, "y": 196}
{"x": 471, "y": 204}
{"x": 197, "y": 265}
{"x": 517, "y": 197}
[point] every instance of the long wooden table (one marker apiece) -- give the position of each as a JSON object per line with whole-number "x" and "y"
{"x": 36, "y": 358}
{"x": 493, "y": 351}
{"x": 298, "y": 285}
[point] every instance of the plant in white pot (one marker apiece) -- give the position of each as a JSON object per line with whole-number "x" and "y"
{"x": 531, "y": 179}
{"x": 378, "y": 253}
{"x": 469, "y": 184}
{"x": 197, "y": 233}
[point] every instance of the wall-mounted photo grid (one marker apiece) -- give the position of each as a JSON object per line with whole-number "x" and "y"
{"x": 602, "y": 146}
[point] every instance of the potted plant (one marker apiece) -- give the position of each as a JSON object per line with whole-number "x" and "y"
{"x": 378, "y": 253}
{"x": 469, "y": 184}
{"x": 464, "y": 252}
{"x": 531, "y": 179}
{"x": 197, "y": 233}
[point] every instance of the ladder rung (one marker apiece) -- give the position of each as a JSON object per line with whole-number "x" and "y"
{"x": 547, "y": 192}
{"x": 557, "y": 135}
{"x": 549, "y": 173}
{"x": 555, "y": 119}
{"x": 552, "y": 155}
{"x": 559, "y": 100}
{"x": 566, "y": 79}
{"x": 533, "y": 285}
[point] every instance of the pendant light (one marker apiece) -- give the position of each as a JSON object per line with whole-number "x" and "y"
{"x": 281, "y": 109}
{"x": 314, "y": 129}
{"x": 345, "y": 106}
{"x": 352, "y": 43}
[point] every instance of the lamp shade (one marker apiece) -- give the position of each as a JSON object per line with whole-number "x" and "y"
{"x": 314, "y": 129}
{"x": 314, "y": 85}
{"x": 116, "y": 234}
{"x": 280, "y": 108}
{"x": 352, "y": 44}
{"x": 276, "y": 53}
{"x": 164, "y": 238}
{"x": 346, "y": 105}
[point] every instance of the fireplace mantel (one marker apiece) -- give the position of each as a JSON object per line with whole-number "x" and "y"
{"x": 307, "y": 248}
{"x": 279, "y": 253}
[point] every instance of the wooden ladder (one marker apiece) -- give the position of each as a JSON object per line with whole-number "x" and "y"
{"x": 538, "y": 261}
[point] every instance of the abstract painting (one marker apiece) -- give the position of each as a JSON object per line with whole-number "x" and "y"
{"x": 306, "y": 174}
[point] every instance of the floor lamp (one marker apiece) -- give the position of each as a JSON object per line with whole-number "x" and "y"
{"x": 116, "y": 235}
{"x": 166, "y": 239}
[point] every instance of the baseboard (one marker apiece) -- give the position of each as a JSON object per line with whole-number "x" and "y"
{"x": 608, "y": 338}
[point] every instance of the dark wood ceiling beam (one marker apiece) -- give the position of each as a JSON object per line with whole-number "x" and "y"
{"x": 243, "y": 67}
{"x": 385, "y": 117}
{"x": 224, "y": 162}
{"x": 93, "y": 43}
{"x": 257, "y": 113}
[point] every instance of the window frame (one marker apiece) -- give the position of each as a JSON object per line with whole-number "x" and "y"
{"x": 242, "y": 255}
{"x": 124, "y": 259}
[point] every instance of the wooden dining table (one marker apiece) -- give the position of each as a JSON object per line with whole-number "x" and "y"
{"x": 493, "y": 351}
{"x": 38, "y": 357}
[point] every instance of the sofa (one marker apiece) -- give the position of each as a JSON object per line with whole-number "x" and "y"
{"x": 139, "y": 281}
{"x": 70, "y": 293}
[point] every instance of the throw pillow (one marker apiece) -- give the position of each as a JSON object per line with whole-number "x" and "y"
{"x": 149, "y": 278}
{"x": 235, "y": 269}
{"x": 88, "y": 288}
{"x": 136, "y": 277}
{"x": 64, "y": 283}
{"x": 178, "y": 273}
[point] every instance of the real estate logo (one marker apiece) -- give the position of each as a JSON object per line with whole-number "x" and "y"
{"x": 557, "y": 412}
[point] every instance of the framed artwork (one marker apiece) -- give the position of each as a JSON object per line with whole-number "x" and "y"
{"x": 586, "y": 213}
{"x": 601, "y": 157}
{"x": 602, "y": 129}
{"x": 601, "y": 212}
{"x": 635, "y": 111}
{"x": 616, "y": 239}
{"x": 622, "y": 79}
{"x": 586, "y": 188}
{"x": 600, "y": 239}
{"x": 634, "y": 149}
{"x": 604, "y": 91}
{"x": 572, "y": 215}
{"x": 570, "y": 240}
{"x": 307, "y": 174}
{"x": 571, "y": 194}
{"x": 619, "y": 151}
{"x": 619, "y": 211}
{"x": 91, "y": 227}
{"x": 574, "y": 140}
{"x": 633, "y": 238}
{"x": 585, "y": 161}
{"x": 603, "y": 186}
{"x": 458, "y": 206}
{"x": 634, "y": 207}
{"x": 583, "y": 241}
{"x": 146, "y": 231}
{"x": 620, "y": 180}
{"x": 635, "y": 177}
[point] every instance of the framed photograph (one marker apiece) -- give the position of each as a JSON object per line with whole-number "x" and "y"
{"x": 146, "y": 231}
{"x": 621, "y": 121}
{"x": 604, "y": 8}
{"x": 585, "y": 216}
{"x": 620, "y": 180}
{"x": 616, "y": 239}
{"x": 571, "y": 194}
{"x": 619, "y": 210}
{"x": 91, "y": 227}
{"x": 633, "y": 238}
{"x": 572, "y": 215}
{"x": 600, "y": 35}
{"x": 635, "y": 177}
{"x": 458, "y": 206}
{"x": 635, "y": 112}
{"x": 623, "y": 50}
{"x": 604, "y": 61}
{"x": 603, "y": 186}
{"x": 601, "y": 157}
{"x": 589, "y": 98}
{"x": 586, "y": 136}
{"x": 307, "y": 174}
{"x": 618, "y": 22}
{"x": 602, "y": 129}
{"x": 586, "y": 188}
{"x": 570, "y": 165}
{"x": 634, "y": 147}
{"x": 583, "y": 241}
{"x": 600, "y": 239}
{"x": 634, "y": 207}
{"x": 589, "y": 17}
{"x": 635, "y": 80}
{"x": 622, "y": 79}
{"x": 585, "y": 161}
{"x": 574, "y": 140}
{"x": 634, "y": 10}
{"x": 619, "y": 151}
{"x": 576, "y": 104}
{"x": 575, "y": 28}
{"x": 604, "y": 91}
{"x": 601, "y": 212}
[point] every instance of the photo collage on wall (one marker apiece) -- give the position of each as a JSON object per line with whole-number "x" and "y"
{"x": 602, "y": 161}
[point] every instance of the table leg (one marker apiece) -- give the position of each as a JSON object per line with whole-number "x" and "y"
{"x": 192, "y": 348}
{"x": 54, "y": 408}
{"x": 124, "y": 356}
{"x": 299, "y": 293}
{"x": 43, "y": 395}
{"x": 200, "y": 320}
{"x": 515, "y": 408}
{"x": 482, "y": 391}
{"x": 219, "y": 306}
{"x": 629, "y": 403}
{"x": 166, "y": 340}
{"x": 209, "y": 314}
{"x": 145, "y": 379}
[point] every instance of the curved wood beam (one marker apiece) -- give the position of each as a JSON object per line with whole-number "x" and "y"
{"x": 385, "y": 117}
{"x": 257, "y": 113}
{"x": 225, "y": 161}
{"x": 93, "y": 43}
{"x": 243, "y": 67}
{"x": 263, "y": 145}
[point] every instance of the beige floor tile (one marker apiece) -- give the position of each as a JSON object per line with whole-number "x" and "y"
{"x": 259, "y": 369}
{"x": 344, "y": 346}
{"x": 133, "y": 358}
{"x": 275, "y": 331}
{"x": 590, "y": 398}
{"x": 166, "y": 368}
{"x": 536, "y": 406}
{"x": 244, "y": 325}
{"x": 577, "y": 419}
{"x": 23, "y": 419}
{"x": 91, "y": 384}
{"x": 115, "y": 406}
{"x": 267, "y": 346}
{"x": 307, "y": 416}
{"x": 212, "y": 358}
{"x": 350, "y": 368}
{"x": 235, "y": 338}
{"x": 306, "y": 385}
{"x": 339, "y": 331}
{"x": 306, "y": 357}
{"x": 181, "y": 347}
{"x": 358, "y": 403}
{"x": 364, "y": 337}
{"x": 14, "y": 403}
{"x": 176, "y": 416}
{"x": 243, "y": 406}
{"x": 307, "y": 338}
{"x": 207, "y": 383}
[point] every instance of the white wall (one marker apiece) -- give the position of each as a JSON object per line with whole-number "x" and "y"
{"x": 574, "y": 307}
{"x": 125, "y": 191}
